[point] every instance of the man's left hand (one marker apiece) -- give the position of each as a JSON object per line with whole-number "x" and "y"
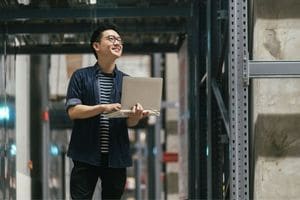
{"x": 137, "y": 114}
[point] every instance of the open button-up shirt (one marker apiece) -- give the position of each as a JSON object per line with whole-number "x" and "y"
{"x": 85, "y": 145}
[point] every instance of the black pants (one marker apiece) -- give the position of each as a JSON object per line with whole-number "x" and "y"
{"x": 84, "y": 178}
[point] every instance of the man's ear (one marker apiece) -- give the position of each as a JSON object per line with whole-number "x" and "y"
{"x": 96, "y": 46}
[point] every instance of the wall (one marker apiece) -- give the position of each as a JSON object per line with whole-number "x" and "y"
{"x": 276, "y": 102}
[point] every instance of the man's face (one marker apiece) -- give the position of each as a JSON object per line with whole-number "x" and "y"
{"x": 110, "y": 45}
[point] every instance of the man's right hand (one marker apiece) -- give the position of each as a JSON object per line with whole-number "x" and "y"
{"x": 111, "y": 107}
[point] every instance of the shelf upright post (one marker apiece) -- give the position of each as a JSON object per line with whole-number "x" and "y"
{"x": 238, "y": 100}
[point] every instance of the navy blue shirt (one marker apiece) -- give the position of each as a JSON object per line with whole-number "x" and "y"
{"x": 85, "y": 145}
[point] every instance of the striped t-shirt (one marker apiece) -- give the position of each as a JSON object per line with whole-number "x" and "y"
{"x": 105, "y": 83}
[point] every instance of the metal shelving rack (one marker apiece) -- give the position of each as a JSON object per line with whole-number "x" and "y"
{"x": 232, "y": 95}
{"x": 228, "y": 99}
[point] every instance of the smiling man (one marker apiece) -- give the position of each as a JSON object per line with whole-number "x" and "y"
{"x": 99, "y": 146}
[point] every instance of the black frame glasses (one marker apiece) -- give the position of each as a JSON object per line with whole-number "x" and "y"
{"x": 113, "y": 39}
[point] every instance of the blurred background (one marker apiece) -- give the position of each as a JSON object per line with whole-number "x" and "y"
{"x": 229, "y": 124}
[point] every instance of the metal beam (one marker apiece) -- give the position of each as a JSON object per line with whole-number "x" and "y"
{"x": 209, "y": 68}
{"x": 39, "y": 125}
{"x": 238, "y": 100}
{"x": 221, "y": 105}
{"x": 276, "y": 69}
{"x": 86, "y": 27}
{"x": 194, "y": 139}
{"x": 85, "y": 48}
{"x": 203, "y": 120}
{"x": 9, "y": 14}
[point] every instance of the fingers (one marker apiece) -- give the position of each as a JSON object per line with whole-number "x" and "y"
{"x": 116, "y": 106}
{"x": 113, "y": 107}
{"x": 145, "y": 113}
{"x": 139, "y": 107}
{"x": 137, "y": 111}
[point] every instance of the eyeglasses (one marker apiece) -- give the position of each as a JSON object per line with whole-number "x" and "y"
{"x": 113, "y": 39}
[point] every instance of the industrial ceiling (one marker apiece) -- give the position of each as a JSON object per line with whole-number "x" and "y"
{"x": 65, "y": 26}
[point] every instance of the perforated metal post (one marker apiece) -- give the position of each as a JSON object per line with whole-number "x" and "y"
{"x": 238, "y": 100}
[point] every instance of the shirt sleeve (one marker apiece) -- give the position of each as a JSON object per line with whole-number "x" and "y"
{"x": 74, "y": 92}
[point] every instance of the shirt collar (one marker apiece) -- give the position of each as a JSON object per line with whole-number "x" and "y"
{"x": 98, "y": 69}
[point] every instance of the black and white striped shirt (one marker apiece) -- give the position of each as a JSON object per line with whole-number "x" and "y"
{"x": 105, "y": 83}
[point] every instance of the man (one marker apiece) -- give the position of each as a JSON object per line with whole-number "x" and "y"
{"x": 99, "y": 146}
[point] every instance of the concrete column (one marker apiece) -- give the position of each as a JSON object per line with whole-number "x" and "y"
{"x": 183, "y": 122}
{"x": 157, "y": 59}
{"x": 22, "y": 128}
{"x": 276, "y": 102}
{"x": 172, "y": 142}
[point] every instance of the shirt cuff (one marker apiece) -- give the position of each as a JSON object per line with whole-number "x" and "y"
{"x": 72, "y": 102}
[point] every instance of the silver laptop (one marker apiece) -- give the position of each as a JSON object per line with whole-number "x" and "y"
{"x": 144, "y": 90}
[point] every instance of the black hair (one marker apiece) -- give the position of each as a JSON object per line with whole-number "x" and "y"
{"x": 97, "y": 34}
